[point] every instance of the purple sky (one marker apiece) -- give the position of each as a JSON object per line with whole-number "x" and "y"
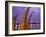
{"x": 20, "y": 10}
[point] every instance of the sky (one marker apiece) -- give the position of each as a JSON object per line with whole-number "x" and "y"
{"x": 20, "y": 10}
